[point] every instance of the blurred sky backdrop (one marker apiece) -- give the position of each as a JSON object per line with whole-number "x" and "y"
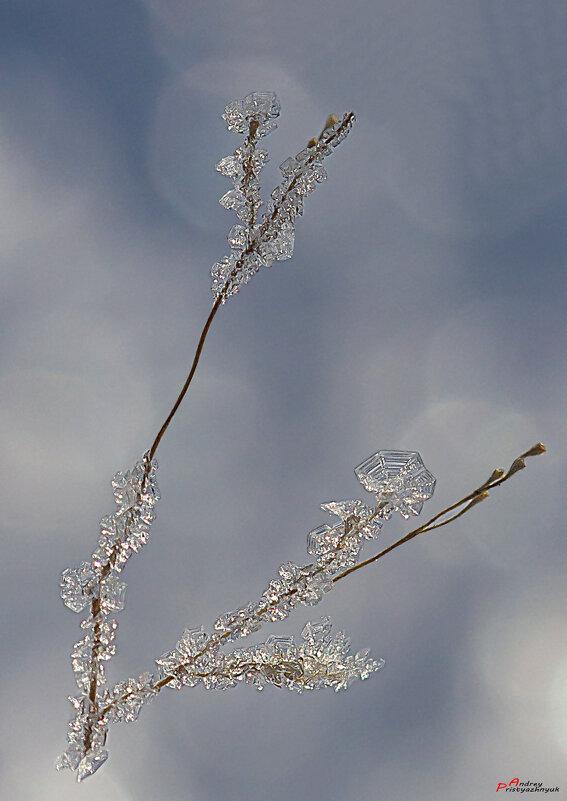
{"x": 424, "y": 309}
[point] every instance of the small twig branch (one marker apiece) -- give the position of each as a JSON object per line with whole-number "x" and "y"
{"x": 398, "y": 479}
{"x": 478, "y": 495}
{"x": 185, "y": 387}
{"x": 254, "y": 237}
{"x": 353, "y": 527}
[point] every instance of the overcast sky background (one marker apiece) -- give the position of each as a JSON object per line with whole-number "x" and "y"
{"x": 424, "y": 309}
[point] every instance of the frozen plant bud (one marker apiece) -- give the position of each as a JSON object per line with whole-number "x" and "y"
{"x": 260, "y": 243}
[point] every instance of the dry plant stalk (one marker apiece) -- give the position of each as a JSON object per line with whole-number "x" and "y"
{"x": 398, "y": 480}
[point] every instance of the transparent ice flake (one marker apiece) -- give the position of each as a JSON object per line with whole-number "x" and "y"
{"x": 262, "y": 105}
{"x": 74, "y": 584}
{"x": 261, "y": 157}
{"x": 362, "y": 518}
{"x": 289, "y": 572}
{"x": 230, "y": 166}
{"x": 288, "y": 167}
{"x": 311, "y": 591}
{"x": 251, "y": 263}
{"x": 277, "y": 643}
{"x": 234, "y": 117}
{"x": 234, "y": 199}
{"x": 69, "y": 759}
{"x": 268, "y": 252}
{"x": 192, "y": 642}
{"x": 112, "y": 593}
{"x": 267, "y": 128}
{"x": 90, "y": 763}
{"x": 316, "y": 539}
{"x": 125, "y": 493}
{"x": 317, "y": 631}
{"x": 127, "y": 697}
{"x": 226, "y": 278}
{"x": 304, "y": 154}
{"x": 169, "y": 661}
{"x": 319, "y": 173}
{"x": 399, "y": 480}
{"x": 237, "y": 236}
{"x": 285, "y": 242}
{"x": 136, "y": 490}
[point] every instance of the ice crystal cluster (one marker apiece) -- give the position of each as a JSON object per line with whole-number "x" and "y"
{"x": 259, "y": 241}
{"x": 96, "y": 585}
{"x": 397, "y": 480}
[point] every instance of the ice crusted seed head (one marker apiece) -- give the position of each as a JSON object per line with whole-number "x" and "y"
{"x": 259, "y": 243}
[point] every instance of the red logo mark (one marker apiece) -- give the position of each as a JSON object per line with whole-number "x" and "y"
{"x": 502, "y": 785}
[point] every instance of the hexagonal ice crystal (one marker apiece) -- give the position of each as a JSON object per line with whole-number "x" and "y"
{"x": 399, "y": 479}
{"x": 261, "y": 106}
{"x": 316, "y": 543}
{"x": 280, "y": 643}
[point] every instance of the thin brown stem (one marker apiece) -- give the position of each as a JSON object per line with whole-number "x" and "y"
{"x": 95, "y": 603}
{"x": 185, "y": 387}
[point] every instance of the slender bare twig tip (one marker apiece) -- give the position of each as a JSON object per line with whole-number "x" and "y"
{"x": 482, "y": 496}
{"x": 536, "y": 450}
{"x": 517, "y": 464}
{"x": 495, "y": 476}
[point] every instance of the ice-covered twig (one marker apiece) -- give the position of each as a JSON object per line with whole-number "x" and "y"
{"x": 398, "y": 480}
{"x": 400, "y": 483}
{"x": 459, "y": 508}
{"x": 96, "y": 584}
{"x": 255, "y": 245}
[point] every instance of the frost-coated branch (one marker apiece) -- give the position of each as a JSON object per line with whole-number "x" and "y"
{"x": 259, "y": 245}
{"x": 496, "y": 478}
{"x": 398, "y": 480}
